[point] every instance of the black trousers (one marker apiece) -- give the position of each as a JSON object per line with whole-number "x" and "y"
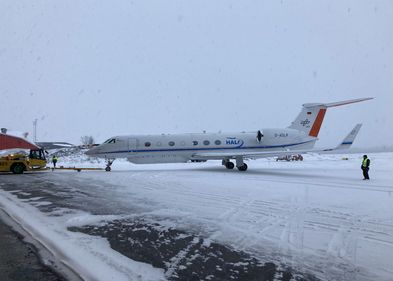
{"x": 365, "y": 173}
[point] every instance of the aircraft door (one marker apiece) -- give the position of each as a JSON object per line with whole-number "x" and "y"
{"x": 259, "y": 136}
{"x": 132, "y": 143}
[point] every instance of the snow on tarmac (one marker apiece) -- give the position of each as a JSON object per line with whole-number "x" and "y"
{"x": 316, "y": 216}
{"x": 90, "y": 257}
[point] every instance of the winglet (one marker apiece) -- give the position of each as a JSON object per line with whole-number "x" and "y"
{"x": 349, "y": 139}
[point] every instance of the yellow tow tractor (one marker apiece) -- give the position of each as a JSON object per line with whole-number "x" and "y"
{"x": 18, "y": 163}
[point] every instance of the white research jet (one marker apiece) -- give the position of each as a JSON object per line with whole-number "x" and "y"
{"x": 299, "y": 137}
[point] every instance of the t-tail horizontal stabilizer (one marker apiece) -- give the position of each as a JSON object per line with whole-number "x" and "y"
{"x": 311, "y": 117}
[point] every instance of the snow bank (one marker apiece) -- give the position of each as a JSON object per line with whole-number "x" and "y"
{"x": 5, "y": 152}
{"x": 90, "y": 256}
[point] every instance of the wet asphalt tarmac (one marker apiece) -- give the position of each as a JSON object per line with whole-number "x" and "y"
{"x": 19, "y": 260}
{"x": 182, "y": 255}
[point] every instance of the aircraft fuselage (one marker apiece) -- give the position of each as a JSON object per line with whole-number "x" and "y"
{"x": 180, "y": 148}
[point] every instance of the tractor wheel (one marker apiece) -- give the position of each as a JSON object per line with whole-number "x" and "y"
{"x": 18, "y": 168}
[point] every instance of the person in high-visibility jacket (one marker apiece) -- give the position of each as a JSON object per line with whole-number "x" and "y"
{"x": 365, "y": 167}
{"x": 54, "y": 160}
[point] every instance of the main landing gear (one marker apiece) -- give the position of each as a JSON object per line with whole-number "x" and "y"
{"x": 228, "y": 164}
{"x": 108, "y": 165}
{"x": 241, "y": 166}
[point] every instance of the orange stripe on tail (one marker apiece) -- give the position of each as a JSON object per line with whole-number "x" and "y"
{"x": 317, "y": 123}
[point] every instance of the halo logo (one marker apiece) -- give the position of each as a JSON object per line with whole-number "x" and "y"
{"x": 234, "y": 141}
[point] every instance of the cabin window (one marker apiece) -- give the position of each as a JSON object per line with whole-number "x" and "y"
{"x": 206, "y": 142}
{"x": 110, "y": 141}
{"x": 171, "y": 143}
{"x": 147, "y": 144}
{"x": 194, "y": 142}
{"x": 37, "y": 154}
{"x": 217, "y": 142}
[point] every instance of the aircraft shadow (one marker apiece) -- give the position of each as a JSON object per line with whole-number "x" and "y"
{"x": 250, "y": 172}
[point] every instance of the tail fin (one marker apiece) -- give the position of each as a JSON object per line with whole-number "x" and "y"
{"x": 347, "y": 142}
{"x": 311, "y": 117}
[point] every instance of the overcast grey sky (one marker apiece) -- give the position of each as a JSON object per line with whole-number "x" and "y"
{"x": 107, "y": 68}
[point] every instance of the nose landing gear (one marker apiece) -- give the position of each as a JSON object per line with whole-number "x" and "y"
{"x": 108, "y": 165}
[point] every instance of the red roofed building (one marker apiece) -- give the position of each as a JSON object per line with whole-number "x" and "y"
{"x": 11, "y": 142}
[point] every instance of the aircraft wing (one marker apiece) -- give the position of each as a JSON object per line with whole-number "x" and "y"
{"x": 251, "y": 154}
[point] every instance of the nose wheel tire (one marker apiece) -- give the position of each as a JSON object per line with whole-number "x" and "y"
{"x": 108, "y": 165}
{"x": 243, "y": 167}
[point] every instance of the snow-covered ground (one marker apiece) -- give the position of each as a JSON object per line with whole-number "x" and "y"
{"x": 316, "y": 216}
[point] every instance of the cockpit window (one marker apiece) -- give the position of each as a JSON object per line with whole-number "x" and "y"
{"x": 110, "y": 141}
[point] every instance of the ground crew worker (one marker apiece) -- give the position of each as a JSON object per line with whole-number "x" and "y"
{"x": 54, "y": 161}
{"x": 365, "y": 167}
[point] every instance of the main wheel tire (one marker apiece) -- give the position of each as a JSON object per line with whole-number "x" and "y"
{"x": 18, "y": 168}
{"x": 243, "y": 167}
{"x": 229, "y": 165}
{"x": 108, "y": 169}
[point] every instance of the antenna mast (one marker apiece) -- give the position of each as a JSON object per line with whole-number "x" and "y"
{"x": 35, "y": 129}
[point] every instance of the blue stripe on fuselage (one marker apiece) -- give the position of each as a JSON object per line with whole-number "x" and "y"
{"x": 204, "y": 148}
